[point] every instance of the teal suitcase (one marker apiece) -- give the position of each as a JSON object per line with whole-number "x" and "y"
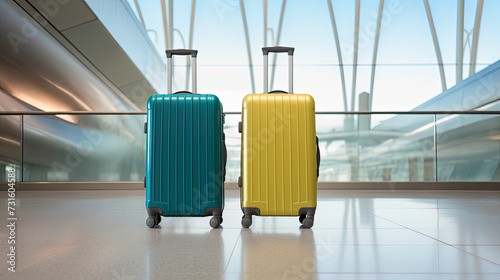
{"x": 185, "y": 153}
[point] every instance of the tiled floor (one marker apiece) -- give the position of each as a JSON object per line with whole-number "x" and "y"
{"x": 357, "y": 235}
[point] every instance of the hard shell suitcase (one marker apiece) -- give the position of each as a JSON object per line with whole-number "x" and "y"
{"x": 279, "y": 152}
{"x": 185, "y": 152}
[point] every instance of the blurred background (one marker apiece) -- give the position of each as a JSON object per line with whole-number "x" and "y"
{"x": 427, "y": 70}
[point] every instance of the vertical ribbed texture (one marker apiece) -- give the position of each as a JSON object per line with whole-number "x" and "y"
{"x": 198, "y": 146}
{"x": 207, "y": 155}
{"x": 185, "y": 161}
{"x": 295, "y": 138}
{"x": 290, "y": 152}
{"x": 210, "y": 140}
{"x": 303, "y": 196}
{"x": 174, "y": 135}
{"x": 279, "y": 153}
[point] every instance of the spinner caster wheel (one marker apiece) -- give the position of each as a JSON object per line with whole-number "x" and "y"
{"x": 151, "y": 222}
{"x": 215, "y": 221}
{"x": 246, "y": 221}
{"x": 308, "y": 222}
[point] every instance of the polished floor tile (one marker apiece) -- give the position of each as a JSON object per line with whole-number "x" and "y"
{"x": 357, "y": 235}
{"x": 491, "y": 253}
{"x": 465, "y": 236}
{"x": 331, "y": 258}
{"x": 361, "y": 276}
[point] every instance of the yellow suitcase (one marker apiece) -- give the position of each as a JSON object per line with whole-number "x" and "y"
{"x": 279, "y": 153}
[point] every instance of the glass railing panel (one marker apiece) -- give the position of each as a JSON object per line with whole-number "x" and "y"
{"x": 468, "y": 147}
{"x": 354, "y": 147}
{"x": 84, "y": 148}
{"x": 376, "y": 147}
{"x": 338, "y": 145}
{"x": 10, "y": 147}
{"x": 398, "y": 148}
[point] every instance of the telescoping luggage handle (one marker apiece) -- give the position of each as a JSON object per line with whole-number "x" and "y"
{"x": 170, "y": 53}
{"x": 278, "y": 49}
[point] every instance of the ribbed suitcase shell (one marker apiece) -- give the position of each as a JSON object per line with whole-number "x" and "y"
{"x": 279, "y": 173}
{"x": 184, "y": 154}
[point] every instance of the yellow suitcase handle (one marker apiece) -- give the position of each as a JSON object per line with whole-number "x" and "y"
{"x": 278, "y": 49}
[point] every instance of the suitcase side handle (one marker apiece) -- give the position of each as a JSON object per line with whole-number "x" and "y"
{"x": 170, "y": 53}
{"x": 318, "y": 157}
{"x": 224, "y": 155}
{"x": 278, "y": 49}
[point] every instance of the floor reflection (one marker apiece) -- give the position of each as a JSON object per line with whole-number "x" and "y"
{"x": 290, "y": 255}
{"x": 356, "y": 236}
{"x": 182, "y": 251}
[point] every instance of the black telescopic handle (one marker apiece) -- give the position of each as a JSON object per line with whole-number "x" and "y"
{"x": 193, "y": 53}
{"x": 277, "y": 49}
{"x": 170, "y": 53}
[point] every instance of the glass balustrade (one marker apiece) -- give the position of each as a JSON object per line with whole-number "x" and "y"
{"x": 433, "y": 147}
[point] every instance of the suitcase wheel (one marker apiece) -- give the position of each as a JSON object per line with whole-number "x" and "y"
{"x": 246, "y": 221}
{"x": 307, "y": 222}
{"x": 150, "y": 222}
{"x": 153, "y": 221}
{"x": 215, "y": 221}
{"x": 240, "y": 127}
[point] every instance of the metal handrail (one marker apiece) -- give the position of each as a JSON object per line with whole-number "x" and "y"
{"x": 51, "y": 113}
{"x": 397, "y": 113}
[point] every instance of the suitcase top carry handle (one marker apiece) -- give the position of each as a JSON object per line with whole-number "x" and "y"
{"x": 277, "y": 91}
{"x": 278, "y": 49}
{"x": 193, "y": 53}
{"x": 170, "y": 53}
{"x": 182, "y": 92}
